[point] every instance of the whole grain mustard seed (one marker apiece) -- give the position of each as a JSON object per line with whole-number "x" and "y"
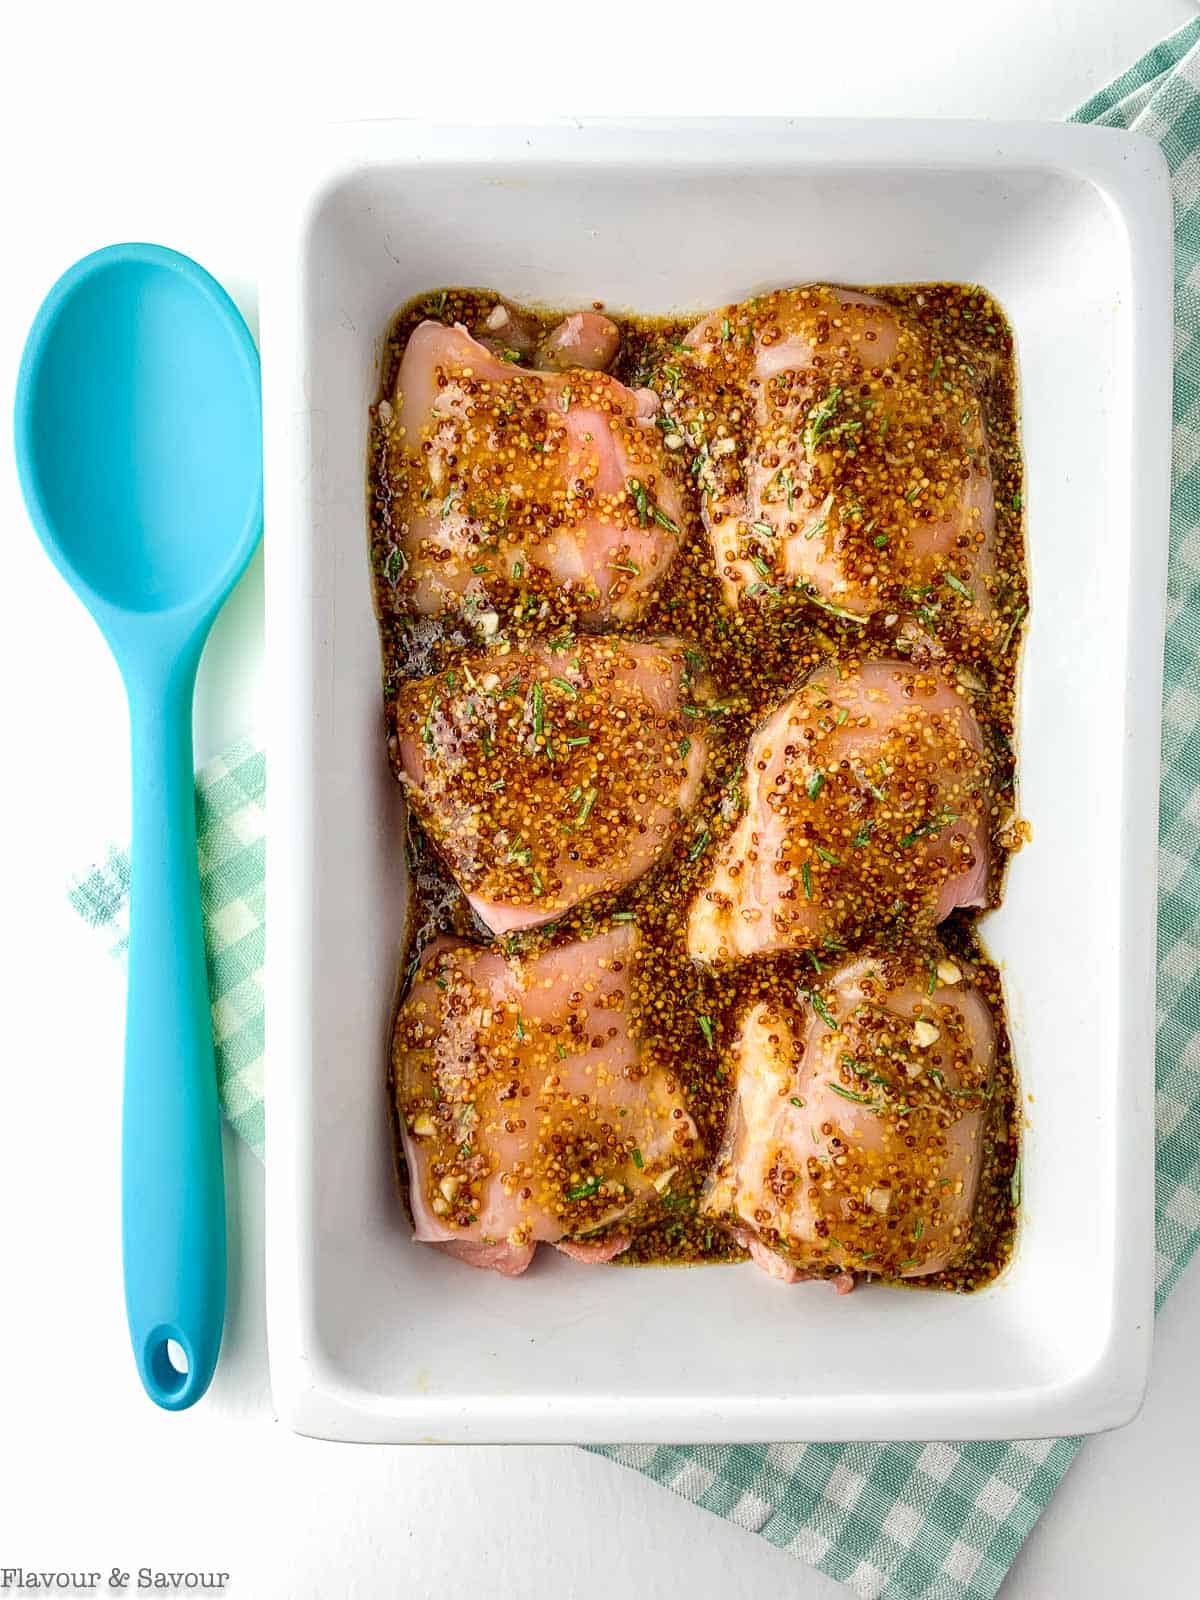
{"x": 876, "y": 448}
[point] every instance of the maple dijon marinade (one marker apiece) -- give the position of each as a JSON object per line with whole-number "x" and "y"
{"x": 758, "y": 632}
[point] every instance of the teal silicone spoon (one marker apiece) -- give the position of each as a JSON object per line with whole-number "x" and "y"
{"x": 139, "y": 448}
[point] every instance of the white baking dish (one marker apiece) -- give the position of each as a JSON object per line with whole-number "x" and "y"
{"x": 375, "y": 1338}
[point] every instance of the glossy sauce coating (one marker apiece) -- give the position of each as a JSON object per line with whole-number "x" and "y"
{"x": 755, "y": 652}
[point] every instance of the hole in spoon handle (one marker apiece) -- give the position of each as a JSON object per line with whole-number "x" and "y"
{"x": 168, "y": 1370}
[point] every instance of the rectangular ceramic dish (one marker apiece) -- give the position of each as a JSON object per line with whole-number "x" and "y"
{"x": 375, "y": 1338}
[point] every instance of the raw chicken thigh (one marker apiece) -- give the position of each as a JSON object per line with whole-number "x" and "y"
{"x": 867, "y": 804}
{"x": 525, "y": 1112}
{"x": 855, "y": 1139}
{"x": 844, "y": 459}
{"x": 512, "y": 482}
{"x": 555, "y": 771}
{"x": 582, "y": 339}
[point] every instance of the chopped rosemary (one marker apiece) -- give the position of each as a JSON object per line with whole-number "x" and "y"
{"x": 585, "y": 810}
{"x": 1018, "y": 618}
{"x": 934, "y": 825}
{"x": 706, "y": 1028}
{"x": 811, "y": 595}
{"x": 584, "y": 1189}
{"x": 427, "y": 725}
{"x": 849, "y": 1094}
{"x": 819, "y": 418}
{"x": 817, "y": 1001}
{"x": 538, "y": 710}
{"x": 814, "y": 528}
{"x": 638, "y": 1160}
{"x": 958, "y": 586}
{"x": 828, "y": 856}
{"x": 640, "y": 501}
{"x": 567, "y": 687}
{"x": 698, "y": 848}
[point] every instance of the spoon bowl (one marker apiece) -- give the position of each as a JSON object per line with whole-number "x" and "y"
{"x": 138, "y": 440}
{"x": 138, "y": 432}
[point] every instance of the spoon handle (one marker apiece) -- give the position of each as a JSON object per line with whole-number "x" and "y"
{"x": 173, "y": 1196}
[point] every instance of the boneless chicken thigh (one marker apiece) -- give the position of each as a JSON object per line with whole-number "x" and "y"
{"x": 551, "y": 772}
{"x": 581, "y": 339}
{"x": 844, "y": 457}
{"x": 525, "y": 1112}
{"x": 856, "y": 1135}
{"x": 510, "y": 481}
{"x": 867, "y": 805}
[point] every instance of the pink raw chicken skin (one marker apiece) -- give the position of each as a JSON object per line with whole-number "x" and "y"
{"x": 584, "y": 339}
{"x": 855, "y": 1138}
{"x": 510, "y": 481}
{"x": 581, "y": 339}
{"x": 867, "y": 805}
{"x": 850, "y": 463}
{"x": 555, "y": 771}
{"x": 525, "y": 1113}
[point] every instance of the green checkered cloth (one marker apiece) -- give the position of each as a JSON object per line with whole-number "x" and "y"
{"x": 231, "y": 825}
{"x": 893, "y": 1521}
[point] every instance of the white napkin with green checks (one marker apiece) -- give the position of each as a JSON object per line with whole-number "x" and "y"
{"x": 893, "y": 1521}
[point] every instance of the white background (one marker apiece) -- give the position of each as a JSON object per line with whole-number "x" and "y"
{"x": 163, "y": 122}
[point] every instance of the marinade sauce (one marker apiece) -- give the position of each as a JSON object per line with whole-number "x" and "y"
{"x": 757, "y": 651}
